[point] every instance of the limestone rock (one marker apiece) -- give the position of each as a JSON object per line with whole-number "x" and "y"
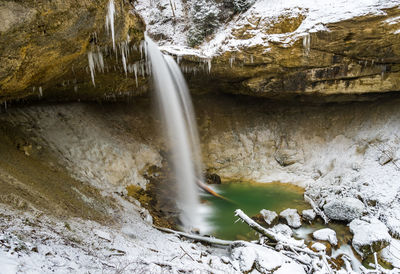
{"x": 292, "y": 217}
{"x": 370, "y": 235}
{"x": 309, "y": 214}
{"x": 269, "y": 216}
{"x": 344, "y": 209}
{"x": 326, "y": 234}
{"x": 44, "y": 49}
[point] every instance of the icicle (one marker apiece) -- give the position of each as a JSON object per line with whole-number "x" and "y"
{"x": 123, "y": 60}
{"x": 178, "y": 59}
{"x": 231, "y": 60}
{"x": 135, "y": 70}
{"x": 5, "y": 106}
{"x": 209, "y": 65}
{"x": 100, "y": 60}
{"x": 307, "y": 43}
{"x": 110, "y": 20}
{"x": 91, "y": 66}
{"x": 40, "y": 92}
{"x": 252, "y": 58}
{"x": 75, "y": 88}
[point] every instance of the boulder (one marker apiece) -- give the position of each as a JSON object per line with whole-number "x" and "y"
{"x": 326, "y": 234}
{"x": 344, "y": 209}
{"x": 369, "y": 235}
{"x": 269, "y": 216}
{"x": 317, "y": 247}
{"x": 291, "y": 217}
{"x": 283, "y": 229}
{"x": 308, "y": 214}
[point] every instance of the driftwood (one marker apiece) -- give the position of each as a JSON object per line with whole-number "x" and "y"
{"x": 208, "y": 240}
{"x": 267, "y": 232}
{"x": 208, "y": 189}
{"x": 316, "y": 209}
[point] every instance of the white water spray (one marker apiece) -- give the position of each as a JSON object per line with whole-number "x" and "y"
{"x": 178, "y": 115}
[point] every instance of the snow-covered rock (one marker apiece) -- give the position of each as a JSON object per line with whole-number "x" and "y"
{"x": 292, "y": 217}
{"x": 344, "y": 209}
{"x": 283, "y": 229}
{"x": 326, "y": 234}
{"x": 309, "y": 214}
{"x": 262, "y": 259}
{"x": 269, "y": 216}
{"x": 370, "y": 235}
{"x": 318, "y": 247}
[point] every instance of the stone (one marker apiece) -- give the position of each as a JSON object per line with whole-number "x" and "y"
{"x": 326, "y": 234}
{"x": 369, "y": 235}
{"x": 212, "y": 178}
{"x": 292, "y": 217}
{"x": 344, "y": 209}
{"x": 317, "y": 247}
{"x": 283, "y": 229}
{"x": 308, "y": 214}
{"x": 269, "y": 216}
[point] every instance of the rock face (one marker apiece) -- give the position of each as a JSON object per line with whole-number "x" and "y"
{"x": 370, "y": 236}
{"x": 44, "y": 48}
{"x": 291, "y": 217}
{"x": 344, "y": 209}
{"x": 291, "y": 48}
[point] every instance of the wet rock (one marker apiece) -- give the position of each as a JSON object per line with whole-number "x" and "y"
{"x": 212, "y": 178}
{"x": 270, "y": 217}
{"x": 344, "y": 209}
{"x": 326, "y": 234}
{"x": 291, "y": 217}
{"x": 370, "y": 235}
{"x": 283, "y": 229}
{"x": 308, "y": 214}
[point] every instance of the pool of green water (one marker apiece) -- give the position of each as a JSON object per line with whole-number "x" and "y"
{"x": 251, "y": 198}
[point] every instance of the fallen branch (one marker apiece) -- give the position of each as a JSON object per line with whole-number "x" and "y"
{"x": 316, "y": 208}
{"x": 203, "y": 239}
{"x": 268, "y": 233}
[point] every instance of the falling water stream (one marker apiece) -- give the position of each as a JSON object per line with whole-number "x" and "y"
{"x": 178, "y": 116}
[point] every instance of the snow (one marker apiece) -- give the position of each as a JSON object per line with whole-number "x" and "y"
{"x": 326, "y": 234}
{"x": 292, "y": 217}
{"x": 392, "y": 253}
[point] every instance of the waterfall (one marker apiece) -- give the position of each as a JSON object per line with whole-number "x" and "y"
{"x": 178, "y": 115}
